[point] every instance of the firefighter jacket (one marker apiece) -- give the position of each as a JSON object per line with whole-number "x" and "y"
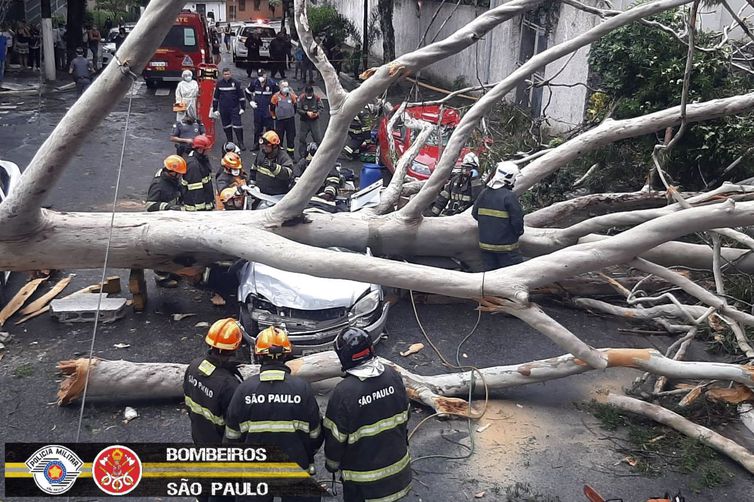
{"x": 501, "y": 220}
{"x": 359, "y": 128}
{"x": 198, "y": 193}
{"x": 225, "y": 180}
{"x": 273, "y": 175}
{"x": 276, "y": 408}
{"x": 261, "y": 93}
{"x": 333, "y": 182}
{"x": 164, "y": 193}
{"x": 458, "y": 195}
{"x": 283, "y": 106}
{"x": 208, "y": 387}
{"x": 228, "y": 95}
{"x": 366, "y": 435}
{"x": 309, "y": 104}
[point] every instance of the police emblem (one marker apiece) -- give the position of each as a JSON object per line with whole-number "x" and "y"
{"x": 54, "y": 469}
{"x": 116, "y": 470}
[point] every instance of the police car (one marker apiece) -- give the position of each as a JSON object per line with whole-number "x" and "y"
{"x": 266, "y": 32}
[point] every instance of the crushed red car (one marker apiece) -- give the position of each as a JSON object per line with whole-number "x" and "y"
{"x": 430, "y": 153}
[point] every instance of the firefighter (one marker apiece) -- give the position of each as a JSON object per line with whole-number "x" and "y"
{"x": 229, "y": 146}
{"x": 259, "y": 94}
{"x": 273, "y": 168}
{"x": 358, "y": 134}
{"x": 276, "y": 408}
{"x": 501, "y": 219}
{"x": 229, "y": 104}
{"x": 283, "y": 111}
{"x": 209, "y": 384}
{"x": 184, "y": 132}
{"x": 197, "y": 182}
{"x": 366, "y": 436}
{"x": 165, "y": 191}
{"x": 334, "y": 180}
{"x": 461, "y": 190}
{"x": 309, "y": 108}
{"x": 231, "y": 181}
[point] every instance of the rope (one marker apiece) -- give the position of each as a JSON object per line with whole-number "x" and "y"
{"x": 125, "y": 70}
{"x": 473, "y": 370}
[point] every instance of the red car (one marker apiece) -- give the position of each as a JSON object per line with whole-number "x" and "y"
{"x": 430, "y": 153}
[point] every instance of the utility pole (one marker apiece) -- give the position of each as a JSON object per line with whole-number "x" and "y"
{"x": 364, "y": 47}
{"x": 48, "y": 44}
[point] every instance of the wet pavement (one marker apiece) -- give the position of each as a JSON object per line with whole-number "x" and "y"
{"x": 536, "y": 434}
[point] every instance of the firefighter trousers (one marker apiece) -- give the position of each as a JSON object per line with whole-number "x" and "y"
{"x": 286, "y": 128}
{"x": 306, "y": 128}
{"x": 261, "y": 125}
{"x": 494, "y": 261}
{"x": 231, "y": 117}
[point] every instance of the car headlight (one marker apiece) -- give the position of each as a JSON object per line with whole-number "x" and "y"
{"x": 366, "y": 305}
{"x": 420, "y": 168}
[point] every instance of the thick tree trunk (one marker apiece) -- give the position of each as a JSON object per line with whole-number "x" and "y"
{"x": 74, "y": 25}
{"x": 388, "y": 32}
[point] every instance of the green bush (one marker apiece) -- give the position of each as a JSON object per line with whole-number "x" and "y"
{"x": 640, "y": 70}
{"x": 325, "y": 19}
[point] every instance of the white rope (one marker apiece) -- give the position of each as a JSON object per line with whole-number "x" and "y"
{"x": 107, "y": 257}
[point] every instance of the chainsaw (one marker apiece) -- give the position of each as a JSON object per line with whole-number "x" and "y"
{"x": 593, "y": 496}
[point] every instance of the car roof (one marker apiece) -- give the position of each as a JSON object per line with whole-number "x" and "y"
{"x": 429, "y": 113}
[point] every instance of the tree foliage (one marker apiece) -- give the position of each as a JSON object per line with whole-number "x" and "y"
{"x": 325, "y": 19}
{"x": 116, "y": 7}
{"x": 640, "y": 70}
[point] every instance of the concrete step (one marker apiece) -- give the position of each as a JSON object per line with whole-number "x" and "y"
{"x": 83, "y": 308}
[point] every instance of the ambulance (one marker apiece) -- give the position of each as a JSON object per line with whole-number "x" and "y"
{"x": 185, "y": 47}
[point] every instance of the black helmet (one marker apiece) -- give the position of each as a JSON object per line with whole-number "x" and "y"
{"x": 311, "y": 148}
{"x": 231, "y": 147}
{"x": 353, "y": 346}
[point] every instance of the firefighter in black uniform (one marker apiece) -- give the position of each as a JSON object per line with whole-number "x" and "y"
{"x": 358, "y": 134}
{"x": 501, "y": 219}
{"x": 366, "y": 436}
{"x": 461, "y": 190}
{"x": 197, "y": 182}
{"x": 273, "y": 168}
{"x": 165, "y": 191}
{"x": 229, "y": 104}
{"x": 334, "y": 180}
{"x": 276, "y": 408}
{"x": 209, "y": 384}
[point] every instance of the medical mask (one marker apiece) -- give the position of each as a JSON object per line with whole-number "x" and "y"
{"x": 235, "y": 172}
{"x": 261, "y": 79}
{"x": 187, "y": 78}
{"x": 284, "y": 90}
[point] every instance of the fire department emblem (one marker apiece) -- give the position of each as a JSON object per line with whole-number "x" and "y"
{"x": 116, "y": 470}
{"x": 54, "y": 469}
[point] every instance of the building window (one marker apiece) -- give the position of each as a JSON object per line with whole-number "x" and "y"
{"x": 241, "y": 4}
{"x": 535, "y": 28}
{"x": 232, "y": 12}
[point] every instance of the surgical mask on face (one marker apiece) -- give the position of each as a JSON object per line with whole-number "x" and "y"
{"x": 235, "y": 172}
{"x": 261, "y": 79}
{"x": 187, "y": 78}
{"x": 285, "y": 89}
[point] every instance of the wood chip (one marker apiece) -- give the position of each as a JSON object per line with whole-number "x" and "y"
{"x": 45, "y": 298}
{"x": 692, "y": 396}
{"x": 19, "y": 299}
{"x": 178, "y": 317}
{"x": 479, "y": 495}
{"x": 483, "y": 428}
{"x": 413, "y": 349}
{"x": 121, "y": 345}
{"x": 217, "y": 300}
{"x": 202, "y": 324}
{"x": 734, "y": 395}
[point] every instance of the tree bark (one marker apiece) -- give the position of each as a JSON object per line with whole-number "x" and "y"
{"x": 388, "y": 32}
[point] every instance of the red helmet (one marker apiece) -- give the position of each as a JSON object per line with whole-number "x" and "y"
{"x": 201, "y": 141}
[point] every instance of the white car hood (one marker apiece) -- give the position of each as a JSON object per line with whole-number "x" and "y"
{"x": 297, "y": 291}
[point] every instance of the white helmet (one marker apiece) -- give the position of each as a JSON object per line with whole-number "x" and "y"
{"x": 506, "y": 173}
{"x": 470, "y": 159}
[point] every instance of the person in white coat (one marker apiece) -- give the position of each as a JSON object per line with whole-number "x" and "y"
{"x": 186, "y": 93}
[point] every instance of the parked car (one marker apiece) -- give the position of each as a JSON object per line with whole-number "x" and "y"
{"x": 108, "y": 46}
{"x": 430, "y": 153}
{"x": 185, "y": 47}
{"x": 267, "y": 33}
{"x": 314, "y": 310}
{"x": 9, "y": 176}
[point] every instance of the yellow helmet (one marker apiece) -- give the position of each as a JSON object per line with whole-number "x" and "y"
{"x": 225, "y": 334}
{"x": 273, "y": 342}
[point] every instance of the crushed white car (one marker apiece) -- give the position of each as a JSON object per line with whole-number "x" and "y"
{"x": 312, "y": 309}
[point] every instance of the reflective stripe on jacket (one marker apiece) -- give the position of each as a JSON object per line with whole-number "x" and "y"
{"x": 501, "y": 220}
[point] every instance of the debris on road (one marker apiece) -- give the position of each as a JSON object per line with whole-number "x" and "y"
{"x": 129, "y": 414}
{"x": 202, "y": 324}
{"x": 19, "y": 299}
{"x": 83, "y": 308}
{"x": 217, "y": 300}
{"x": 479, "y": 495}
{"x": 45, "y": 299}
{"x": 413, "y": 349}
{"x": 121, "y": 345}
{"x": 178, "y": 317}
{"x": 4, "y": 336}
{"x": 483, "y": 428}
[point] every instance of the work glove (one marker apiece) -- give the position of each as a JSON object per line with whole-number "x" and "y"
{"x": 214, "y": 114}
{"x": 253, "y": 104}
{"x": 241, "y": 111}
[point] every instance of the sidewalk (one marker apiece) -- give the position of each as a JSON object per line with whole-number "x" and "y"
{"x": 27, "y": 81}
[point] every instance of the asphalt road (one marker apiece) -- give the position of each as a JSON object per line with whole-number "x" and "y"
{"x": 536, "y": 434}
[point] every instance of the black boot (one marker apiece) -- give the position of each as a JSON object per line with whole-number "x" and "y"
{"x": 239, "y": 135}
{"x": 229, "y": 134}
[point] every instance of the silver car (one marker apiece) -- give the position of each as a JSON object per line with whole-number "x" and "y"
{"x": 266, "y": 32}
{"x": 314, "y": 310}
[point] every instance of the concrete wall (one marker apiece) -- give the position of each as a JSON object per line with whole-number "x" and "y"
{"x": 218, "y": 8}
